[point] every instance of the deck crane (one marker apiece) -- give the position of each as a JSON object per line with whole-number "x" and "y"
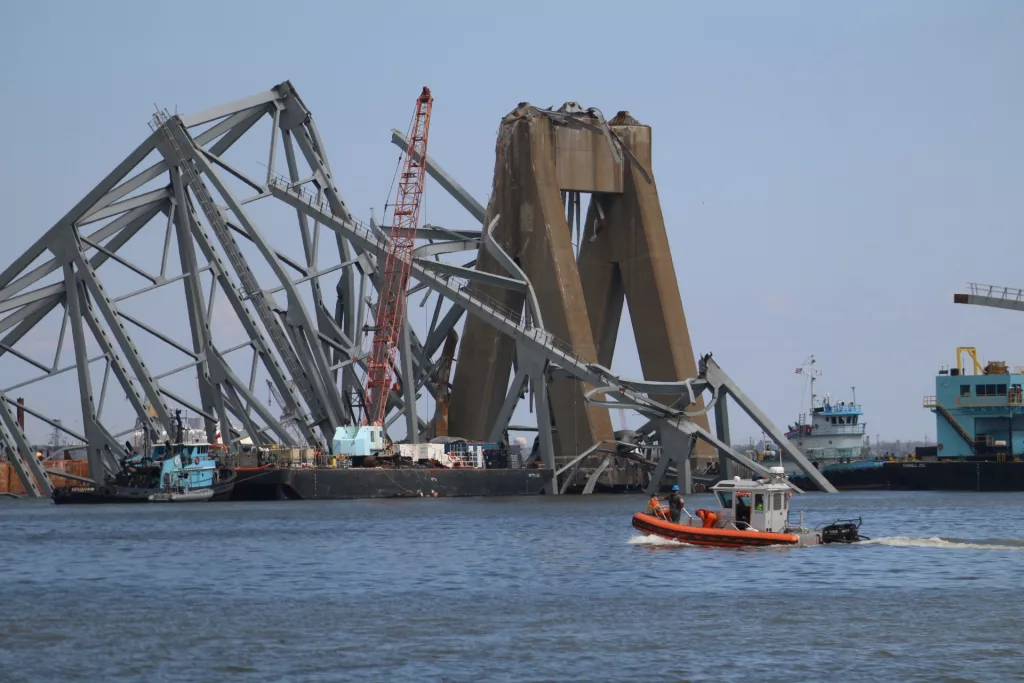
{"x": 368, "y": 438}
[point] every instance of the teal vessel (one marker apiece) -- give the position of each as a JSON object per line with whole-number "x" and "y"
{"x": 978, "y": 416}
{"x": 167, "y": 473}
{"x": 178, "y": 473}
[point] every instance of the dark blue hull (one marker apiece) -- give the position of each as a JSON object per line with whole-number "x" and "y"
{"x": 966, "y": 475}
{"x": 337, "y": 484}
{"x": 110, "y": 493}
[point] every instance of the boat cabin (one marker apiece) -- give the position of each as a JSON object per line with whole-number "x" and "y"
{"x": 761, "y": 505}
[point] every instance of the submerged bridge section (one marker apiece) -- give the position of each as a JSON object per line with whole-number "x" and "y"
{"x": 190, "y": 275}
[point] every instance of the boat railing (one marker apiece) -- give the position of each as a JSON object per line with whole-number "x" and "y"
{"x": 839, "y": 430}
{"x": 835, "y": 408}
{"x": 1012, "y": 399}
{"x": 996, "y": 291}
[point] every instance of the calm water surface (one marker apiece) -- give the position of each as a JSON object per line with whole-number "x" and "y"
{"x": 544, "y": 589}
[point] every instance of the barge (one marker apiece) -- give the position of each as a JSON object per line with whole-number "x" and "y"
{"x": 272, "y": 482}
{"x": 966, "y": 474}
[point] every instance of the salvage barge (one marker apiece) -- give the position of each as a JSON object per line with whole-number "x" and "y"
{"x": 359, "y": 468}
{"x": 280, "y": 483}
{"x": 965, "y": 474}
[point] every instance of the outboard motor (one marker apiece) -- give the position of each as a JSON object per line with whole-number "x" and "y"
{"x": 842, "y": 531}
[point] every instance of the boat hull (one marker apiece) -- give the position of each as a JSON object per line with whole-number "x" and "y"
{"x": 109, "y": 494}
{"x": 921, "y": 475}
{"x": 271, "y": 483}
{"x": 183, "y": 497}
{"x": 721, "y": 538}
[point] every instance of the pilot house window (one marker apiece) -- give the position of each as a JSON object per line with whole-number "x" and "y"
{"x": 965, "y": 389}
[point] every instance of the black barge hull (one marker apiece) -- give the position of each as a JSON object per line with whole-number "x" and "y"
{"x": 971, "y": 475}
{"x": 353, "y": 483}
{"x": 87, "y": 495}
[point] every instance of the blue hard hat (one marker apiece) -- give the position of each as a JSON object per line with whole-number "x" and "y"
{"x": 675, "y": 487}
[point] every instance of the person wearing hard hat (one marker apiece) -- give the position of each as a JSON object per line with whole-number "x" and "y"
{"x": 675, "y": 504}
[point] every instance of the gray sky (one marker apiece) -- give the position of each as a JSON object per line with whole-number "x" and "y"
{"x": 829, "y": 176}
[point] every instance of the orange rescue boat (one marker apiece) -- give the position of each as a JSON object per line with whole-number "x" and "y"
{"x": 753, "y": 514}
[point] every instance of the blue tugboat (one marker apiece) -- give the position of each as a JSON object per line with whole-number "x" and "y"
{"x": 832, "y": 438}
{"x": 168, "y": 473}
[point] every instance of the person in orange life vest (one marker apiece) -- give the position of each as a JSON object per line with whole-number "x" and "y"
{"x": 708, "y": 517}
{"x": 654, "y": 507}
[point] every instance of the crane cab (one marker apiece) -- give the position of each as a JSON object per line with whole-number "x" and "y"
{"x": 358, "y": 441}
{"x": 760, "y": 505}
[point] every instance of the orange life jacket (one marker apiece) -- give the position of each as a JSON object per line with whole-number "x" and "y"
{"x": 707, "y": 517}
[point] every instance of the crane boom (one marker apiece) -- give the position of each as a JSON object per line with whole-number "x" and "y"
{"x": 397, "y": 264}
{"x": 994, "y": 296}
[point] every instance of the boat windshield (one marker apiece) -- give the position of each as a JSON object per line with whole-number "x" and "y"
{"x": 725, "y": 498}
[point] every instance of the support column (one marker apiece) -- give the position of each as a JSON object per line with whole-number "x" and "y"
{"x": 722, "y": 432}
{"x": 515, "y": 393}
{"x": 535, "y": 367}
{"x": 408, "y": 384}
{"x": 100, "y": 445}
{"x": 625, "y": 254}
{"x": 198, "y": 324}
{"x": 677, "y": 447}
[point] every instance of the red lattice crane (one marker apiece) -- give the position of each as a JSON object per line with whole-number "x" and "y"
{"x": 397, "y": 264}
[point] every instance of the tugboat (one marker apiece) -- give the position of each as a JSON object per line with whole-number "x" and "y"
{"x": 833, "y": 440}
{"x": 754, "y": 513}
{"x": 177, "y": 473}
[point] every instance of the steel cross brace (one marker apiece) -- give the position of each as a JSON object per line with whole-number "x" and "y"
{"x": 22, "y": 455}
{"x": 101, "y": 445}
{"x": 245, "y": 316}
{"x": 182, "y": 151}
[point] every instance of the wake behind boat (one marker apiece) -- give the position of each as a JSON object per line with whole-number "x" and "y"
{"x": 753, "y": 514}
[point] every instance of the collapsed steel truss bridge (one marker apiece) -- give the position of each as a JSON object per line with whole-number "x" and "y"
{"x": 283, "y": 260}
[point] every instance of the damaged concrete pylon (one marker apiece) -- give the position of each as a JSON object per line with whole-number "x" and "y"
{"x": 543, "y": 160}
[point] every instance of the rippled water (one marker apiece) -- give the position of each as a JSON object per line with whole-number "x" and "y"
{"x": 546, "y": 589}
